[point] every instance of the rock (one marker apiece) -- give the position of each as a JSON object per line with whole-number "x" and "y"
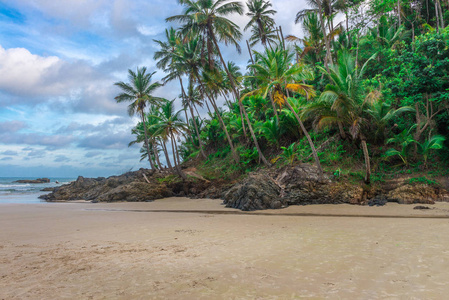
{"x": 131, "y": 186}
{"x": 421, "y": 207}
{"x": 411, "y": 194}
{"x": 379, "y": 200}
{"x": 47, "y": 189}
{"x": 302, "y": 186}
{"x": 257, "y": 191}
{"x": 39, "y": 180}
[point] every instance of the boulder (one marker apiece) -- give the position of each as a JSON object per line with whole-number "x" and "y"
{"x": 257, "y": 191}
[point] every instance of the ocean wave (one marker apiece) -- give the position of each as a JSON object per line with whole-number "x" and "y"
{"x": 9, "y": 185}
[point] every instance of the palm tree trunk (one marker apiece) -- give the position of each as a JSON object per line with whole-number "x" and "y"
{"x": 261, "y": 156}
{"x": 274, "y": 107}
{"x": 326, "y": 41}
{"x": 367, "y": 161}
{"x": 175, "y": 154}
{"x": 437, "y": 15}
{"x": 147, "y": 144}
{"x": 237, "y": 97}
{"x": 399, "y": 13}
{"x": 184, "y": 96}
{"x": 282, "y": 37}
{"x": 156, "y": 154}
{"x": 309, "y": 139}
{"x": 223, "y": 125}
{"x": 167, "y": 157}
{"x": 241, "y": 116}
{"x": 342, "y": 131}
{"x": 250, "y": 53}
{"x": 441, "y": 14}
{"x": 197, "y": 132}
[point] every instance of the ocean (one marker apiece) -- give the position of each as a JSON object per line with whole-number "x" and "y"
{"x": 13, "y": 192}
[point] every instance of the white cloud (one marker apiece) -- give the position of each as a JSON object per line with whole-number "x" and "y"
{"x": 22, "y": 72}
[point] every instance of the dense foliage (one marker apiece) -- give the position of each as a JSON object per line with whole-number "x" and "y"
{"x": 365, "y": 95}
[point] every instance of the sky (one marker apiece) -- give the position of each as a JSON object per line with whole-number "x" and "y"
{"x": 59, "y": 61}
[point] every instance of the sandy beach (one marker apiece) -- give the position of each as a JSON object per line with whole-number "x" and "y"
{"x": 179, "y": 248}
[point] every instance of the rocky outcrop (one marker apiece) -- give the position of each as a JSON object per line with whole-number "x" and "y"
{"x": 141, "y": 185}
{"x": 39, "y": 180}
{"x": 419, "y": 193}
{"x": 257, "y": 191}
{"x": 265, "y": 189}
{"x": 302, "y": 185}
{"x": 299, "y": 185}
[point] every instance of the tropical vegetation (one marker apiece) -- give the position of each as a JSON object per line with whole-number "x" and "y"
{"x": 365, "y": 96}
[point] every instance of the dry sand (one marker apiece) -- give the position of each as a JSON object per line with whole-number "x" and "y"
{"x": 159, "y": 251}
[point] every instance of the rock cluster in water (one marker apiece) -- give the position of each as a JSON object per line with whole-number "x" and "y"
{"x": 39, "y": 180}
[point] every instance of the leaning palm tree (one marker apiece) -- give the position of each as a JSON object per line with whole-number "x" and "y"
{"x": 277, "y": 78}
{"x": 261, "y": 22}
{"x": 138, "y": 91}
{"x": 170, "y": 126}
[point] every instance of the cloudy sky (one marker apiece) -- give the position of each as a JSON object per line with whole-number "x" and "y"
{"x": 58, "y": 63}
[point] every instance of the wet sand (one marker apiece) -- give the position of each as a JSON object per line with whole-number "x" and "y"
{"x": 179, "y": 248}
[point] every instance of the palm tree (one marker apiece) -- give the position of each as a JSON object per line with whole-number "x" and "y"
{"x": 381, "y": 114}
{"x": 138, "y": 91}
{"x": 261, "y": 22}
{"x": 324, "y": 9}
{"x": 189, "y": 60}
{"x": 170, "y": 126}
{"x": 166, "y": 57}
{"x": 344, "y": 103}
{"x": 139, "y": 131}
{"x": 206, "y": 18}
{"x": 277, "y": 78}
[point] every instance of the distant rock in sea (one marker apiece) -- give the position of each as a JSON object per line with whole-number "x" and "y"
{"x": 39, "y": 180}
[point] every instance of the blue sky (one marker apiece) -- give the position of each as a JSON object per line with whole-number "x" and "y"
{"x": 58, "y": 63}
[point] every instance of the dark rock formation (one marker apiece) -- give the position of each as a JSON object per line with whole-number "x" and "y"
{"x": 299, "y": 185}
{"x": 39, "y": 180}
{"x": 257, "y": 191}
{"x": 141, "y": 185}
{"x": 47, "y": 189}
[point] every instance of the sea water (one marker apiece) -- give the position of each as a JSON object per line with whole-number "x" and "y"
{"x": 13, "y": 192}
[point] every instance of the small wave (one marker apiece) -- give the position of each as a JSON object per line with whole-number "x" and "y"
{"x": 14, "y": 185}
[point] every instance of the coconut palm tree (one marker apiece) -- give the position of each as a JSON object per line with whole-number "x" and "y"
{"x": 139, "y": 92}
{"x": 189, "y": 60}
{"x": 277, "y": 78}
{"x": 139, "y": 131}
{"x": 324, "y": 9}
{"x": 268, "y": 36}
{"x": 166, "y": 56}
{"x": 261, "y": 21}
{"x": 170, "y": 126}
{"x": 207, "y": 18}
{"x": 344, "y": 102}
